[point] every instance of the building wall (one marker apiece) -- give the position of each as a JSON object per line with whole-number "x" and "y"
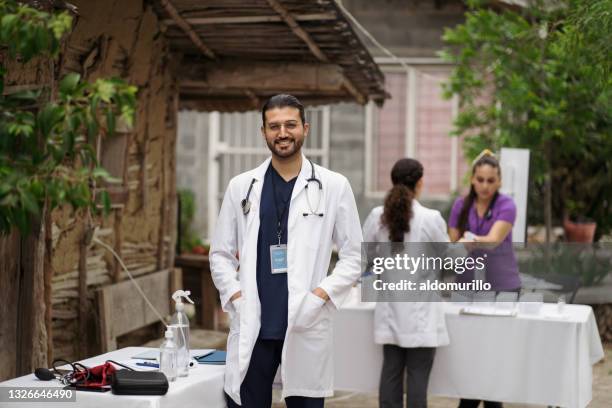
{"x": 412, "y": 30}
{"x": 408, "y": 28}
{"x": 120, "y": 39}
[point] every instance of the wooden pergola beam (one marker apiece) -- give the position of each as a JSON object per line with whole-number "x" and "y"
{"x": 199, "y": 21}
{"x": 262, "y": 76}
{"x": 261, "y": 94}
{"x": 253, "y": 98}
{"x": 242, "y": 104}
{"x": 348, "y": 85}
{"x": 297, "y": 30}
{"x": 184, "y": 25}
{"x": 312, "y": 45}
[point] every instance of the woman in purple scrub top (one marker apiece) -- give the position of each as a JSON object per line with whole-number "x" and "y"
{"x": 486, "y": 216}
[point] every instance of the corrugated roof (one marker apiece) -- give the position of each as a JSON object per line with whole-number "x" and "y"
{"x": 237, "y": 53}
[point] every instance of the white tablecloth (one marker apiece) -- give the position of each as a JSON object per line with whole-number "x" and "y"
{"x": 523, "y": 359}
{"x": 202, "y": 388}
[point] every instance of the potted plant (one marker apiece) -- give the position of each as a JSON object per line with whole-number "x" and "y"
{"x": 577, "y": 226}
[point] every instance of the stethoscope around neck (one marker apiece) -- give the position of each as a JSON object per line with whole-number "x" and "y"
{"x": 246, "y": 204}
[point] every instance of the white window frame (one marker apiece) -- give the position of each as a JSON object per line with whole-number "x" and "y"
{"x": 390, "y": 65}
{"x": 216, "y": 147}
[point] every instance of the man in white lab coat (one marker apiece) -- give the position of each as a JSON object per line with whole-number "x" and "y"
{"x": 269, "y": 259}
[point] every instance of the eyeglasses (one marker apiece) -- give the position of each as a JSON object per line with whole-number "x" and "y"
{"x": 276, "y": 127}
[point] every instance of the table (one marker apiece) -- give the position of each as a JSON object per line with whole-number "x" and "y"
{"x": 523, "y": 359}
{"x": 197, "y": 278}
{"x": 202, "y": 388}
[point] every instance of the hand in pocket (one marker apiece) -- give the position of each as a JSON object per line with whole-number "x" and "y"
{"x": 311, "y": 308}
{"x": 235, "y": 315}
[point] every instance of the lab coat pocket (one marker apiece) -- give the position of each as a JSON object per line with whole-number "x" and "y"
{"x": 309, "y": 227}
{"x": 232, "y": 372}
{"x": 310, "y": 360}
{"x": 235, "y": 317}
{"x": 310, "y": 313}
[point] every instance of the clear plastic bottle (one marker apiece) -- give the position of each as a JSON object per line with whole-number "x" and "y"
{"x": 180, "y": 328}
{"x": 561, "y": 304}
{"x": 168, "y": 356}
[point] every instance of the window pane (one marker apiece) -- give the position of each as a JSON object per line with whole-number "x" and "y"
{"x": 434, "y": 123}
{"x": 390, "y": 130}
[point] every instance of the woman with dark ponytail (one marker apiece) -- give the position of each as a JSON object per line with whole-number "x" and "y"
{"x": 486, "y": 216}
{"x": 408, "y": 331}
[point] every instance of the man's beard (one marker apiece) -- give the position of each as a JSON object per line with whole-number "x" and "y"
{"x": 293, "y": 148}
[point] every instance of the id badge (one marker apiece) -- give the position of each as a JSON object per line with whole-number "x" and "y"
{"x": 278, "y": 258}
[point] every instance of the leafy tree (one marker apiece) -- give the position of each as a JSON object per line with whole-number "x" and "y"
{"x": 540, "y": 79}
{"x": 48, "y": 134}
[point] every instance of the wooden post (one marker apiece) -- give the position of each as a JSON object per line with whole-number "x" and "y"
{"x": 48, "y": 277}
{"x": 143, "y": 168}
{"x": 170, "y": 196}
{"x": 31, "y": 350}
{"x": 118, "y": 244}
{"x": 209, "y": 297}
{"x": 10, "y": 265}
{"x": 83, "y": 301}
{"x": 163, "y": 213}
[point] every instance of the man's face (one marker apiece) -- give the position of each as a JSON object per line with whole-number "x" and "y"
{"x": 284, "y": 131}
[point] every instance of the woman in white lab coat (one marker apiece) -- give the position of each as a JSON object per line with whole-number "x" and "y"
{"x": 408, "y": 331}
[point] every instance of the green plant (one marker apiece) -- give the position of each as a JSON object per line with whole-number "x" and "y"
{"x": 188, "y": 238}
{"x": 47, "y": 135}
{"x": 540, "y": 79}
{"x": 589, "y": 262}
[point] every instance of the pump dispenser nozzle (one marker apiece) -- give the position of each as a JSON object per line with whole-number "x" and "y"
{"x": 177, "y": 297}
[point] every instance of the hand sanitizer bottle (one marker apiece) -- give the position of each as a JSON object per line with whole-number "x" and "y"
{"x": 167, "y": 356}
{"x": 180, "y": 328}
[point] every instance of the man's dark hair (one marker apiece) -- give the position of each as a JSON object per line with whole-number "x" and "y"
{"x": 283, "y": 101}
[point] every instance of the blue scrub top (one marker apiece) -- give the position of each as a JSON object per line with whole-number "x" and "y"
{"x": 273, "y": 291}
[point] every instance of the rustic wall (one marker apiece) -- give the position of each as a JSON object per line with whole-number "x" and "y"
{"x": 121, "y": 39}
{"x": 23, "y": 339}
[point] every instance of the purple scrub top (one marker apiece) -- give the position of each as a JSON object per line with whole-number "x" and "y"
{"x": 502, "y": 270}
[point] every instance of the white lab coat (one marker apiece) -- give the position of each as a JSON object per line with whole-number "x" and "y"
{"x": 409, "y": 324}
{"x": 306, "y": 362}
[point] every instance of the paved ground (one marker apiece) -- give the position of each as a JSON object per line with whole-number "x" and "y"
{"x": 602, "y": 392}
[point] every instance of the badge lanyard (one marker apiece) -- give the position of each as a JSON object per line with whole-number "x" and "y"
{"x": 486, "y": 216}
{"x": 278, "y": 253}
{"x": 482, "y": 274}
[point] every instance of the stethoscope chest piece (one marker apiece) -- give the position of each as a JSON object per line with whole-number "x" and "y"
{"x": 319, "y": 191}
{"x": 246, "y": 206}
{"x": 245, "y": 203}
